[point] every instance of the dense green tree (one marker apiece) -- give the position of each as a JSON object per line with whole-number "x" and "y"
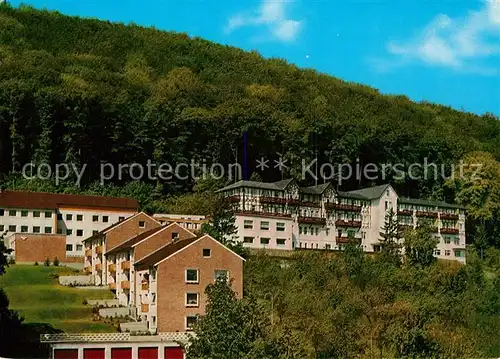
{"x": 390, "y": 240}
{"x": 420, "y": 245}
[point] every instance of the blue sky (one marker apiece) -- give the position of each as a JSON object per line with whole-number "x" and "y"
{"x": 441, "y": 51}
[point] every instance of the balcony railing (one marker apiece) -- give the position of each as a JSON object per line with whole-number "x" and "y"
{"x": 99, "y": 249}
{"x": 88, "y": 252}
{"x": 125, "y": 284}
{"x": 343, "y": 207}
{"x": 145, "y": 285}
{"x": 98, "y": 267}
{"x": 449, "y": 216}
{"x": 293, "y": 201}
{"x": 312, "y": 220}
{"x": 235, "y": 198}
{"x": 311, "y": 204}
{"x": 112, "y": 286}
{"x": 261, "y": 213}
{"x": 144, "y": 308}
{"x": 343, "y": 223}
{"x": 427, "y": 214}
{"x": 405, "y": 212}
{"x": 112, "y": 268}
{"x": 343, "y": 240}
{"x": 125, "y": 265}
{"x": 449, "y": 231}
{"x": 272, "y": 200}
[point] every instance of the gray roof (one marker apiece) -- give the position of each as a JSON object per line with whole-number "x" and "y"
{"x": 352, "y": 195}
{"x": 319, "y": 189}
{"x": 369, "y": 193}
{"x": 424, "y": 202}
{"x": 279, "y": 185}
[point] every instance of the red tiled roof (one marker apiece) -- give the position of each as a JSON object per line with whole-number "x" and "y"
{"x": 164, "y": 252}
{"x": 134, "y": 240}
{"x": 42, "y": 200}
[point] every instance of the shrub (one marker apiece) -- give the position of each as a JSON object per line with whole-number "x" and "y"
{"x": 56, "y": 261}
{"x": 36, "y": 263}
{"x": 12, "y": 260}
{"x": 46, "y": 262}
{"x": 84, "y": 301}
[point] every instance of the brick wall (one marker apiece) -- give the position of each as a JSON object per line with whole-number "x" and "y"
{"x": 37, "y": 247}
{"x": 158, "y": 240}
{"x": 129, "y": 229}
{"x": 172, "y": 289}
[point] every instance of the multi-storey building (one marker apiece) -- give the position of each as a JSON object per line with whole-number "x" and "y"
{"x": 191, "y": 222}
{"x": 96, "y": 246}
{"x": 282, "y": 215}
{"x": 75, "y": 216}
{"x": 120, "y": 259}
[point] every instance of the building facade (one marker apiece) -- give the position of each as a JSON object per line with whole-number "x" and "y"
{"x": 282, "y": 215}
{"x": 191, "y": 222}
{"x": 75, "y": 216}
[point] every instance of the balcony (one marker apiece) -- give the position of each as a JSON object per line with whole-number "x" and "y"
{"x": 88, "y": 252}
{"x": 145, "y": 285}
{"x": 263, "y": 214}
{"x": 99, "y": 249}
{"x": 343, "y": 207}
{"x": 125, "y": 265}
{"x": 449, "y": 231}
{"x": 344, "y": 240}
{"x": 272, "y": 200}
{"x": 311, "y": 204}
{"x": 405, "y": 212}
{"x": 427, "y": 214}
{"x": 112, "y": 268}
{"x": 112, "y": 286}
{"x": 312, "y": 220}
{"x": 235, "y": 198}
{"x": 293, "y": 202}
{"x": 452, "y": 216}
{"x": 98, "y": 267}
{"x": 144, "y": 308}
{"x": 342, "y": 223}
{"x": 125, "y": 284}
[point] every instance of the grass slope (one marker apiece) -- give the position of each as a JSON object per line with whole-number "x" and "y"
{"x": 34, "y": 292}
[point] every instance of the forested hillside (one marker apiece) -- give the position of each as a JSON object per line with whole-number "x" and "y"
{"x": 84, "y": 91}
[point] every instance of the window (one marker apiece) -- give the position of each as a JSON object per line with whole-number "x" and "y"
{"x": 142, "y": 224}
{"x": 59, "y": 231}
{"x": 69, "y": 217}
{"x": 265, "y": 240}
{"x": 300, "y": 229}
{"x": 280, "y": 227}
{"x": 191, "y": 275}
{"x": 2, "y": 212}
{"x": 2, "y": 227}
{"x": 36, "y": 214}
{"x": 280, "y": 241}
{"x": 12, "y": 228}
{"x": 12, "y": 213}
{"x": 247, "y": 239}
{"x": 458, "y": 254}
{"x": 447, "y": 240}
{"x": 327, "y": 246}
{"x": 59, "y": 217}
{"x": 221, "y": 274}
{"x": 121, "y": 218}
{"x": 190, "y": 322}
{"x": 79, "y": 232}
{"x": 94, "y": 232}
{"x": 48, "y": 214}
{"x": 36, "y": 229}
{"x": 24, "y": 213}
{"x": 264, "y": 226}
{"x": 175, "y": 235}
{"x": 69, "y": 232}
{"x": 24, "y": 229}
{"x": 79, "y": 247}
{"x": 105, "y": 219}
{"x": 69, "y": 247}
{"x": 456, "y": 241}
{"x": 207, "y": 252}
{"x": 437, "y": 252}
{"x": 317, "y": 231}
{"x": 447, "y": 252}
{"x": 79, "y": 217}
{"x": 48, "y": 230}
{"x": 95, "y": 218}
{"x": 386, "y": 205}
{"x": 191, "y": 299}
{"x": 247, "y": 224}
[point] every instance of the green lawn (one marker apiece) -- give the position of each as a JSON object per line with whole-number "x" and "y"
{"x": 36, "y": 295}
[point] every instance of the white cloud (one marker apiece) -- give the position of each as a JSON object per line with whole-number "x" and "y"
{"x": 271, "y": 14}
{"x": 464, "y": 44}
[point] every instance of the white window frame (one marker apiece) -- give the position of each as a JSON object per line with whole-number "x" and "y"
{"x": 197, "y": 276}
{"x": 192, "y": 305}
{"x": 221, "y": 270}
{"x": 186, "y": 321}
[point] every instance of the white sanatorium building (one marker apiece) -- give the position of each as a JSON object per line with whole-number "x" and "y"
{"x": 282, "y": 215}
{"x": 76, "y": 216}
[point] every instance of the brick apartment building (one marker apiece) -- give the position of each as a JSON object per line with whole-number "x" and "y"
{"x": 73, "y": 216}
